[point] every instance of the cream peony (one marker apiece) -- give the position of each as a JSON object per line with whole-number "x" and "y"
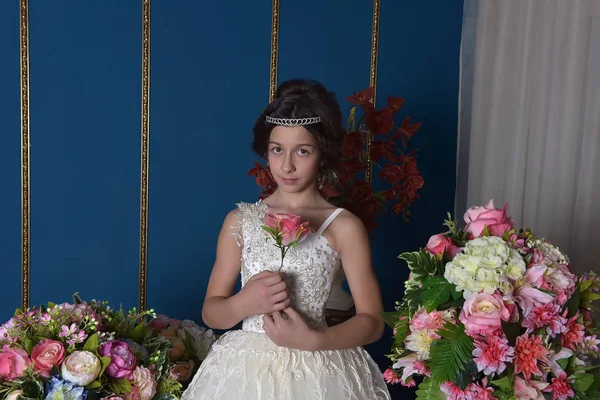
{"x": 81, "y": 368}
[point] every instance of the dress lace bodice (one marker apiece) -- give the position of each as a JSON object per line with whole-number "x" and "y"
{"x": 310, "y": 268}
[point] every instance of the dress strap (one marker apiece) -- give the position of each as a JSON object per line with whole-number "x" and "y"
{"x": 329, "y": 220}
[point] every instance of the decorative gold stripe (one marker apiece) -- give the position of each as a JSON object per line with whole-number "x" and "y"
{"x": 274, "y": 48}
{"x": 145, "y": 144}
{"x": 373, "y": 81}
{"x": 25, "y": 221}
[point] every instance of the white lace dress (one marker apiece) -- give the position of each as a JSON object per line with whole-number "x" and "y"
{"x": 246, "y": 364}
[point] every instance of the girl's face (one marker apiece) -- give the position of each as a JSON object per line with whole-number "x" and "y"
{"x": 294, "y": 158}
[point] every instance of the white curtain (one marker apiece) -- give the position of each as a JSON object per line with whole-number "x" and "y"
{"x": 529, "y": 124}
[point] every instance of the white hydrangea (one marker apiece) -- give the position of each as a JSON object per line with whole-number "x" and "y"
{"x": 484, "y": 265}
{"x": 552, "y": 254}
{"x": 203, "y": 338}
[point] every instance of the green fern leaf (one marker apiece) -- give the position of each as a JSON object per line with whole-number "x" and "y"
{"x": 429, "y": 390}
{"x": 451, "y": 353}
{"x": 422, "y": 264}
{"x": 412, "y": 300}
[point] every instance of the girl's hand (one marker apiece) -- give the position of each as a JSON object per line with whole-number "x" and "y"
{"x": 288, "y": 329}
{"x": 264, "y": 292}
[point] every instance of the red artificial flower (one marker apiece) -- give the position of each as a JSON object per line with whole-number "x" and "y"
{"x": 392, "y": 173}
{"x": 412, "y": 183}
{"x": 380, "y": 122}
{"x": 353, "y": 145}
{"x": 406, "y": 131}
{"x": 362, "y": 98}
{"x": 328, "y": 190}
{"x": 381, "y": 149}
{"x": 395, "y": 103}
{"x": 263, "y": 175}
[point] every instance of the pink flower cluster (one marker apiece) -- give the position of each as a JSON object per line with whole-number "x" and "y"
{"x": 530, "y": 326}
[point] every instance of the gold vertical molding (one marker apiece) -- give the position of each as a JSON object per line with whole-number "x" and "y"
{"x": 144, "y": 157}
{"x": 373, "y": 81}
{"x": 274, "y": 49}
{"x": 25, "y": 221}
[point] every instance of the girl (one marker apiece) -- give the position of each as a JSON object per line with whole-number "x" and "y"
{"x": 285, "y": 350}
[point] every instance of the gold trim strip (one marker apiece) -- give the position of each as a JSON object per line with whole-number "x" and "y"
{"x": 144, "y": 158}
{"x": 274, "y": 49}
{"x": 25, "y": 199}
{"x": 373, "y": 81}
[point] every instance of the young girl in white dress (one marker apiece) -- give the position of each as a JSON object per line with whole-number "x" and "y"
{"x": 285, "y": 350}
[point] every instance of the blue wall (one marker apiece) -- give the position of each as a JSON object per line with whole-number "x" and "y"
{"x": 209, "y": 81}
{"x": 10, "y": 160}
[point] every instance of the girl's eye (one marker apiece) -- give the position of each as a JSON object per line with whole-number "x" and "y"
{"x": 276, "y": 150}
{"x": 303, "y": 152}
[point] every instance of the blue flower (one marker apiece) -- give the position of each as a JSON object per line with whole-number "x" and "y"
{"x": 57, "y": 389}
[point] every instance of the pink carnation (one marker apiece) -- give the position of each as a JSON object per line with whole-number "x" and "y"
{"x": 573, "y": 335}
{"x": 560, "y": 388}
{"x": 528, "y": 351}
{"x": 452, "y": 391}
{"x": 421, "y": 368}
{"x": 477, "y": 392}
{"x": 545, "y": 315}
{"x": 432, "y": 321}
{"x": 390, "y": 376}
{"x": 492, "y": 353}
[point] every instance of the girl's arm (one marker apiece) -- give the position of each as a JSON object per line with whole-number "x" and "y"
{"x": 264, "y": 292}
{"x": 367, "y": 325}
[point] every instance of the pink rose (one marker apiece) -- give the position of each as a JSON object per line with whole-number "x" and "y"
{"x": 439, "y": 243}
{"x": 160, "y": 322}
{"x": 482, "y": 313}
{"x": 495, "y": 219}
{"x": 182, "y": 371}
{"x": 13, "y": 362}
{"x": 290, "y": 226}
{"x": 47, "y": 354}
{"x": 122, "y": 360}
{"x": 178, "y": 349}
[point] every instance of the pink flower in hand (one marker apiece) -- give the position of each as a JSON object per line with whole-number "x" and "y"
{"x": 494, "y": 218}
{"x": 290, "y": 228}
{"x": 438, "y": 244}
{"x": 287, "y": 230}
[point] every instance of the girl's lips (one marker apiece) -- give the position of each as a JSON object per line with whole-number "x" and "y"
{"x": 289, "y": 180}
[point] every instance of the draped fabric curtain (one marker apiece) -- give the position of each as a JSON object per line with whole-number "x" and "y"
{"x": 529, "y": 124}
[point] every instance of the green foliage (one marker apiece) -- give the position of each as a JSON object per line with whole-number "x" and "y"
{"x": 437, "y": 291}
{"x": 429, "y": 390}
{"x": 451, "y": 353}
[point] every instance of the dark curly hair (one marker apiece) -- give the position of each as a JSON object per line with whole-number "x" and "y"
{"x": 304, "y": 98}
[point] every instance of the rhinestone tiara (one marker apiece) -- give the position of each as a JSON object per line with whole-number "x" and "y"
{"x": 293, "y": 121}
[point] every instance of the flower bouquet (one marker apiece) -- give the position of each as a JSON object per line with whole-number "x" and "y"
{"x": 490, "y": 312}
{"x": 85, "y": 351}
